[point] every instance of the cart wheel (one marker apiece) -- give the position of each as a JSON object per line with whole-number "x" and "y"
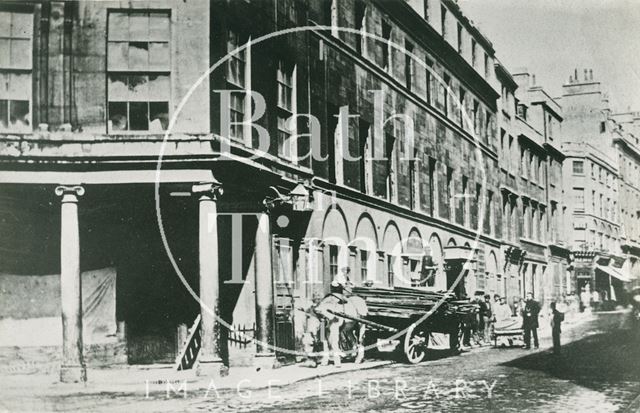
{"x": 415, "y": 344}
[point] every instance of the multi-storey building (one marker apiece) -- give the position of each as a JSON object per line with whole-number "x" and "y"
{"x": 532, "y": 201}
{"x": 625, "y": 127}
{"x": 591, "y": 176}
{"x": 510, "y": 184}
{"x": 122, "y": 122}
{"x": 540, "y": 118}
{"x": 87, "y": 92}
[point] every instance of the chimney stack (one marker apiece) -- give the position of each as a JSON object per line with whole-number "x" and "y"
{"x": 533, "y": 80}
{"x": 585, "y": 74}
{"x": 590, "y": 74}
{"x": 575, "y": 72}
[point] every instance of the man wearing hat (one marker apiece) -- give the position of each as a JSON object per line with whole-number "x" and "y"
{"x": 340, "y": 289}
{"x": 341, "y": 283}
{"x": 530, "y": 321}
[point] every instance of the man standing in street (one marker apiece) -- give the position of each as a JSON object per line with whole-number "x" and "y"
{"x": 489, "y": 318}
{"x": 468, "y": 326}
{"x": 595, "y": 300}
{"x": 341, "y": 283}
{"x": 480, "y": 337}
{"x": 557, "y": 318}
{"x": 585, "y": 299}
{"x": 530, "y": 321}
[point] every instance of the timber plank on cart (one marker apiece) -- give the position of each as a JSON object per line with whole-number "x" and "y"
{"x": 411, "y": 315}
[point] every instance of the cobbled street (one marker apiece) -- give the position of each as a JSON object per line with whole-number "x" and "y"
{"x": 599, "y": 371}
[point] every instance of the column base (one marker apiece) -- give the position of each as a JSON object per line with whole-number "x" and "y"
{"x": 265, "y": 361}
{"x": 73, "y": 374}
{"x": 211, "y": 368}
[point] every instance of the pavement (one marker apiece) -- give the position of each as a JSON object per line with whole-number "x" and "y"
{"x": 488, "y": 377}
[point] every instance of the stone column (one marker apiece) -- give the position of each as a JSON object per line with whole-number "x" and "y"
{"x": 315, "y": 265}
{"x": 209, "y": 360}
{"x": 265, "y": 354}
{"x": 72, "y": 368}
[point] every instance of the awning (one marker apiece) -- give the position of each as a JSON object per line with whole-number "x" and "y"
{"x": 614, "y": 272}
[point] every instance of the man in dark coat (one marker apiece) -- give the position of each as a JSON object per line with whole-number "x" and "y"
{"x": 556, "y": 321}
{"x": 530, "y": 321}
{"x": 481, "y": 320}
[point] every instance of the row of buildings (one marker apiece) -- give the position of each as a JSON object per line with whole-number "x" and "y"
{"x": 142, "y": 187}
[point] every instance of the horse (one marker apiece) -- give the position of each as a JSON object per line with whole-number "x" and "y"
{"x": 343, "y": 334}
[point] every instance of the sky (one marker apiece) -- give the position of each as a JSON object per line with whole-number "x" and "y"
{"x": 551, "y": 38}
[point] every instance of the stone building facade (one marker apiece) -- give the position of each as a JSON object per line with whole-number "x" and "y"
{"x": 167, "y": 165}
{"x": 87, "y": 91}
{"x": 123, "y": 151}
{"x": 510, "y": 184}
{"x": 625, "y": 127}
{"x": 532, "y": 192}
{"x": 593, "y": 184}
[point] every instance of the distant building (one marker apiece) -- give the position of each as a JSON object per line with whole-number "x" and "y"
{"x": 626, "y": 132}
{"x": 510, "y": 183}
{"x": 540, "y": 117}
{"x": 533, "y": 205}
{"x": 593, "y": 183}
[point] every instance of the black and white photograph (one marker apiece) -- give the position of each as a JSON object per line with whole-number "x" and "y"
{"x": 320, "y": 205}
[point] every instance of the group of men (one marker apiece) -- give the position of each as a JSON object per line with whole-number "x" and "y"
{"x": 479, "y": 324}
{"x": 592, "y": 300}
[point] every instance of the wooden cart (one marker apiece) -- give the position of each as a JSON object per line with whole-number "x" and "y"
{"x": 409, "y": 316}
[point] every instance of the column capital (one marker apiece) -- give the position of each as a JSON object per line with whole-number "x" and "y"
{"x": 211, "y": 190}
{"x": 381, "y": 254}
{"x": 353, "y": 249}
{"x": 282, "y": 241}
{"x": 69, "y": 193}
